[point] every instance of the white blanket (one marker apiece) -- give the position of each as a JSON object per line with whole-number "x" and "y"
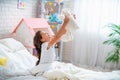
{"x": 18, "y": 58}
{"x": 67, "y": 71}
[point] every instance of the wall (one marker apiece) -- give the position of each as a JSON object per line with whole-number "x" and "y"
{"x": 10, "y": 15}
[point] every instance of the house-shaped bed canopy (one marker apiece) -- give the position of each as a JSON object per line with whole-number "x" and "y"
{"x": 26, "y": 28}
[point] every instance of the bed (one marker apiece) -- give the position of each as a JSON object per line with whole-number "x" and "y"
{"x": 18, "y": 60}
{"x": 19, "y": 64}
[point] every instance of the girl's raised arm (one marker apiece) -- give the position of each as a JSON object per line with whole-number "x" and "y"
{"x": 59, "y": 34}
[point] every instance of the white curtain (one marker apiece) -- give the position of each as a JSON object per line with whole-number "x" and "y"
{"x": 92, "y": 16}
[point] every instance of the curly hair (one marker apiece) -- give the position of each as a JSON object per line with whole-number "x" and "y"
{"x": 37, "y": 44}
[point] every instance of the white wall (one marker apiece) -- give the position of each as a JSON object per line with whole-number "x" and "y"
{"x": 10, "y": 15}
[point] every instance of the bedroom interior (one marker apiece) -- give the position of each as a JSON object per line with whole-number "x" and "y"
{"x": 83, "y": 58}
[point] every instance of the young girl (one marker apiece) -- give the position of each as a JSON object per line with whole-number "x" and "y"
{"x": 43, "y": 43}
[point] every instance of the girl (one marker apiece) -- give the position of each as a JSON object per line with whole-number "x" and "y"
{"x": 43, "y": 43}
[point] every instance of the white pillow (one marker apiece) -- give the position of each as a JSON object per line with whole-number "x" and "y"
{"x": 4, "y": 47}
{"x": 4, "y": 73}
{"x": 28, "y": 59}
{"x": 19, "y": 61}
{"x": 12, "y": 44}
{"x": 13, "y": 63}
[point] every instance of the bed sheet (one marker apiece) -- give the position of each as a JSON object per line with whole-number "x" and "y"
{"x": 30, "y": 77}
{"x": 6, "y": 74}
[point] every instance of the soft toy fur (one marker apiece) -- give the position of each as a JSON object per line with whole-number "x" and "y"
{"x": 71, "y": 27}
{"x": 59, "y": 75}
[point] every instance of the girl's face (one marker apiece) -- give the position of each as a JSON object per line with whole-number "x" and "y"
{"x": 45, "y": 36}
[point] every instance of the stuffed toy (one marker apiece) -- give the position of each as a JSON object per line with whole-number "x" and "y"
{"x": 71, "y": 27}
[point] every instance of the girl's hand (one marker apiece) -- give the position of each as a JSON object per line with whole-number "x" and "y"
{"x": 66, "y": 20}
{"x": 48, "y": 47}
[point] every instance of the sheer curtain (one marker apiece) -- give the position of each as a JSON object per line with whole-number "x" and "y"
{"x": 93, "y": 16}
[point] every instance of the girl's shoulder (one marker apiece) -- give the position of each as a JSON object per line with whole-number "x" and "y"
{"x": 45, "y": 44}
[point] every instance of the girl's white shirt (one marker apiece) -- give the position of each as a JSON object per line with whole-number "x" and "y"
{"x": 47, "y": 56}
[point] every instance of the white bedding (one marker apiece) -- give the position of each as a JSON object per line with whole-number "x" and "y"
{"x": 18, "y": 58}
{"x": 29, "y": 77}
{"x": 21, "y": 66}
{"x": 67, "y": 71}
